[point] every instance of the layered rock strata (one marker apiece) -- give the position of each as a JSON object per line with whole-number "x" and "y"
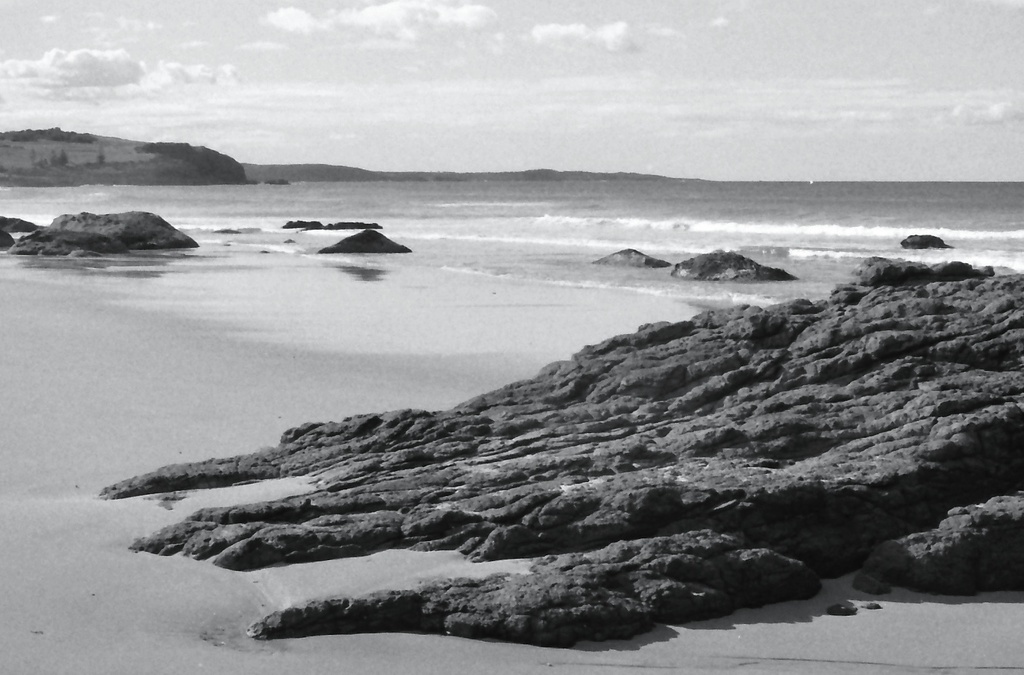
{"x": 667, "y": 475}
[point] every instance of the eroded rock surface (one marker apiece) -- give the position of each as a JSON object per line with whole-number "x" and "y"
{"x": 976, "y": 548}
{"x": 137, "y": 230}
{"x": 795, "y": 438}
{"x": 49, "y": 242}
{"x": 728, "y": 266}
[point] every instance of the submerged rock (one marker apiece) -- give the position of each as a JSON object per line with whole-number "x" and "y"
{"x": 317, "y": 225}
{"x": 15, "y": 225}
{"x": 727, "y": 266}
{"x": 137, "y": 230}
{"x": 630, "y": 257}
{"x": 916, "y": 241}
{"x": 668, "y": 475}
{"x": 50, "y": 242}
{"x": 367, "y": 241}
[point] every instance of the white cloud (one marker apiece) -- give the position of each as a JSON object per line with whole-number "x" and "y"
{"x": 403, "y": 20}
{"x": 295, "y": 20}
{"x": 49, "y": 18}
{"x": 1008, "y": 3}
{"x": 88, "y": 73}
{"x": 79, "y": 68}
{"x": 612, "y": 37}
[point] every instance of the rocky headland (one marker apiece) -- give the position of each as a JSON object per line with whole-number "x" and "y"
{"x": 16, "y": 225}
{"x": 672, "y": 474}
{"x": 58, "y": 158}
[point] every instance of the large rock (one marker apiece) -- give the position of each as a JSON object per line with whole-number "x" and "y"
{"x": 137, "y": 230}
{"x": 673, "y": 474}
{"x": 10, "y": 225}
{"x": 886, "y": 272}
{"x": 6, "y": 240}
{"x": 630, "y": 257}
{"x": 917, "y": 241}
{"x": 979, "y": 547}
{"x": 367, "y": 241}
{"x": 49, "y": 242}
{"x": 727, "y": 266}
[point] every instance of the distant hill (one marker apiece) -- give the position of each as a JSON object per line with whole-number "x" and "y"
{"x": 326, "y": 173}
{"x": 58, "y": 158}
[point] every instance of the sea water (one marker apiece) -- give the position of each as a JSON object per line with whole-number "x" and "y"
{"x": 551, "y": 232}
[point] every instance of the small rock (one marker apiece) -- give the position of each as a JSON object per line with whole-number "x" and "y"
{"x": 917, "y": 241}
{"x": 630, "y": 257}
{"x": 727, "y": 266}
{"x": 367, "y": 241}
{"x": 841, "y": 609}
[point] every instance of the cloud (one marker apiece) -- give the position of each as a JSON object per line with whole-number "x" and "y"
{"x": 403, "y": 20}
{"x": 87, "y": 73}
{"x": 295, "y": 20}
{"x": 1001, "y": 112}
{"x": 59, "y": 69}
{"x": 612, "y": 37}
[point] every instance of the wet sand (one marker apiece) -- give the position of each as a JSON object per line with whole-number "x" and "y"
{"x": 110, "y": 373}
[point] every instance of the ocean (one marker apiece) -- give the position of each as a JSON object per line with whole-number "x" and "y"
{"x": 551, "y": 232}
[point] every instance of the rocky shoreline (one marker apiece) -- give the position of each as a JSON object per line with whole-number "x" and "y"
{"x": 673, "y": 474}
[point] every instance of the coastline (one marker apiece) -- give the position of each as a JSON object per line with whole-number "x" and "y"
{"x": 138, "y": 384}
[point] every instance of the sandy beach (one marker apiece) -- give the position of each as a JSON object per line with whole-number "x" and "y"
{"x": 112, "y": 372}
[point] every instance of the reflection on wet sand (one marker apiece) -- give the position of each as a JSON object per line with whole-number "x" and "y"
{"x": 133, "y": 265}
{"x": 364, "y": 273}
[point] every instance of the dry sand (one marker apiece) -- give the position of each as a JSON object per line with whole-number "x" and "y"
{"x": 110, "y": 374}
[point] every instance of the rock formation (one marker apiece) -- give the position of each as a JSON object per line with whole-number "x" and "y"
{"x": 49, "y": 242}
{"x": 367, "y": 241}
{"x": 10, "y": 225}
{"x": 727, "y": 266}
{"x": 137, "y": 230}
{"x": 6, "y": 240}
{"x": 307, "y": 225}
{"x": 923, "y": 241}
{"x": 979, "y": 547}
{"x": 630, "y": 257}
{"x": 671, "y": 474}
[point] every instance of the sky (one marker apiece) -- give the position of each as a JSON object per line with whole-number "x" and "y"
{"x": 715, "y": 89}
